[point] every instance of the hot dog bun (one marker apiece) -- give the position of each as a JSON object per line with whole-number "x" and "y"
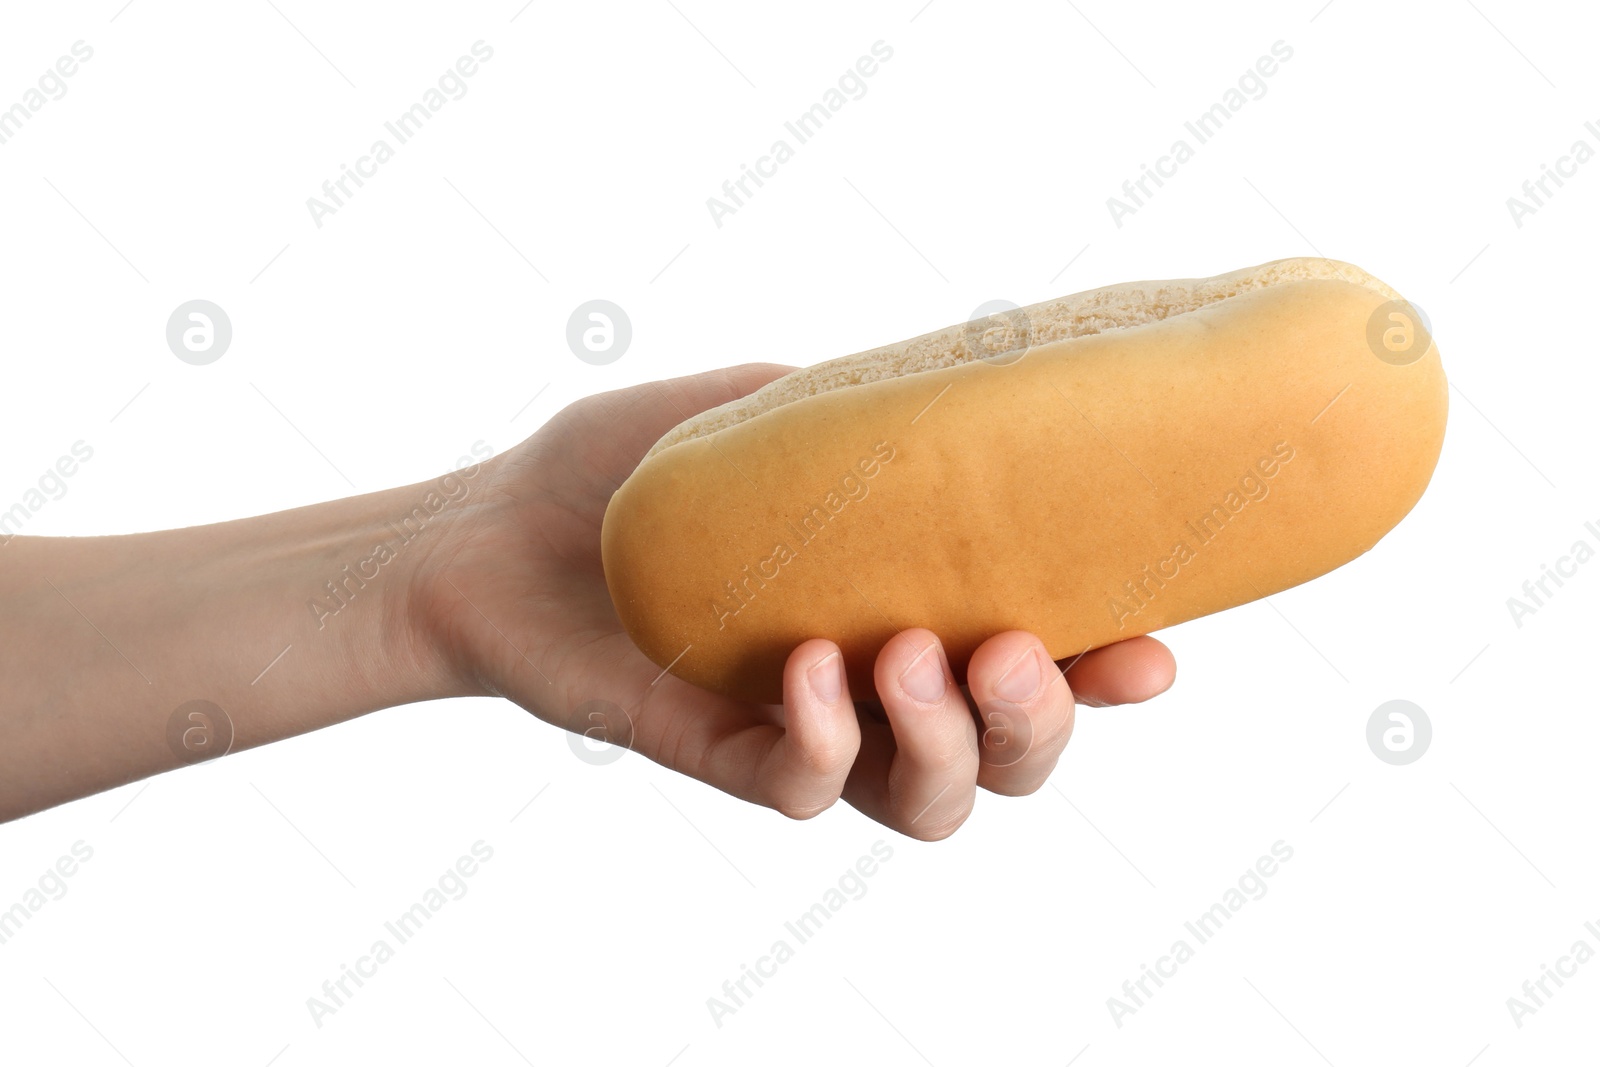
{"x": 1088, "y": 469}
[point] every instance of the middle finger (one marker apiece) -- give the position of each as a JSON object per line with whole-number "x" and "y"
{"x": 919, "y": 774}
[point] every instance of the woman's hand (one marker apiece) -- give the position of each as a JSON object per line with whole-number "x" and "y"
{"x": 513, "y": 597}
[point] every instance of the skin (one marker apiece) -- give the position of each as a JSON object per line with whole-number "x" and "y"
{"x": 501, "y": 593}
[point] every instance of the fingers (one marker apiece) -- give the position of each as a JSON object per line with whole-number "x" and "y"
{"x": 917, "y": 768}
{"x": 601, "y": 438}
{"x": 918, "y": 772}
{"x": 798, "y": 768}
{"x": 694, "y": 393}
{"x": 805, "y": 771}
{"x": 1025, "y": 712}
{"x": 746, "y": 378}
{"x": 1127, "y": 672}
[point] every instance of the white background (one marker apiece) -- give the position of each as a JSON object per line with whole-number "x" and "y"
{"x": 425, "y": 314}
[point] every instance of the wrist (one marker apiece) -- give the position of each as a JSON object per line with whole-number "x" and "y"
{"x": 370, "y": 582}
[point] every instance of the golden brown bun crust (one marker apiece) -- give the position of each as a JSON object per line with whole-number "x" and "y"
{"x": 1096, "y": 488}
{"x": 1111, "y": 307}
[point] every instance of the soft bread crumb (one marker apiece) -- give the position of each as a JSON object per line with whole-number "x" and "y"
{"x": 1114, "y": 307}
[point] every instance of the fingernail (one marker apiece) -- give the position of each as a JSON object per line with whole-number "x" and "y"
{"x": 826, "y": 678}
{"x": 1020, "y": 683}
{"x": 924, "y": 679}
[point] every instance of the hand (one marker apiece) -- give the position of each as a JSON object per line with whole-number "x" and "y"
{"x": 515, "y": 598}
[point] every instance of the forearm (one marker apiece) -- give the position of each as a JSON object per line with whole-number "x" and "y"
{"x": 288, "y": 622}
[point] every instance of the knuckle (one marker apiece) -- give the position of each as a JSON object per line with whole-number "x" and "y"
{"x": 801, "y": 808}
{"x": 1051, "y": 734}
{"x": 826, "y": 760}
{"x": 952, "y": 753}
{"x": 1057, "y": 732}
{"x": 799, "y": 797}
{"x": 925, "y": 817}
{"x": 942, "y": 762}
{"x": 1019, "y": 785}
{"x": 931, "y": 827}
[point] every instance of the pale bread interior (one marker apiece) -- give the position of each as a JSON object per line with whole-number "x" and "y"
{"x": 1114, "y": 307}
